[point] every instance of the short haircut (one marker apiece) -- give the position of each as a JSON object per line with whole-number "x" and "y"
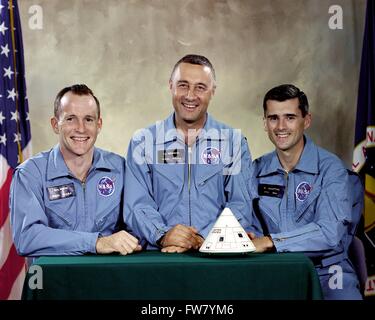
{"x": 195, "y": 59}
{"x": 286, "y": 92}
{"x": 79, "y": 90}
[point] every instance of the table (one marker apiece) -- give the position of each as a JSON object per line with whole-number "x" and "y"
{"x": 152, "y": 275}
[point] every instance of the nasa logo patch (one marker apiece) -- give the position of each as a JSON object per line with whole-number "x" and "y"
{"x": 302, "y": 191}
{"x": 106, "y": 186}
{"x": 210, "y": 156}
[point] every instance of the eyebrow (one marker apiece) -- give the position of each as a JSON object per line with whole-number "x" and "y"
{"x": 291, "y": 115}
{"x": 75, "y": 116}
{"x": 284, "y": 115}
{"x": 196, "y": 84}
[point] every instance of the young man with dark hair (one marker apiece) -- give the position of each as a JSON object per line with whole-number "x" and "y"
{"x": 304, "y": 199}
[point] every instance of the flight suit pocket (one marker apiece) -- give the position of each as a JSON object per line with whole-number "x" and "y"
{"x": 305, "y": 212}
{"x": 107, "y": 222}
{"x": 62, "y": 213}
{"x": 167, "y": 183}
{"x": 210, "y": 182}
{"x": 268, "y": 216}
{"x": 206, "y": 174}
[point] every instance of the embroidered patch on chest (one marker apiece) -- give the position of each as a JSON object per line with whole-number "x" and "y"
{"x": 302, "y": 191}
{"x": 106, "y": 186}
{"x": 211, "y": 155}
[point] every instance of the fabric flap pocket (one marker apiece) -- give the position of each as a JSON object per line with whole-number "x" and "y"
{"x": 171, "y": 172}
{"x": 302, "y": 208}
{"x": 109, "y": 216}
{"x": 267, "y": 211}
{"x": 62, "y": 212}
{"x": 206, "y": 172}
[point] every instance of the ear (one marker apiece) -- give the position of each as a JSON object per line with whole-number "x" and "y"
{"x": 307, "y": 121}
{"x": 265, "y": 124}
{"x": 55, "y": 125}
{"x": 170, "y": 84}
{"x": 100, "y": 123}
{"x": 213, "y": 89}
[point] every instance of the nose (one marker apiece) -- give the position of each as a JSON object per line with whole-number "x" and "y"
{"x": 80, "y": 126}
{"x": 281, "y": 124}
{"x": 190, "y": 94}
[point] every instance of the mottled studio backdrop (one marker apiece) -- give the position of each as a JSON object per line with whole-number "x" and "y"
{"x": 125, "y": 49}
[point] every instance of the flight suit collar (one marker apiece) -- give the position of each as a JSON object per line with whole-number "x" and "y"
{"x": 211, "y": 124}
{"x": 169, "y": 127}
{"x": 57, "y": 167}
{"x": 307, "y": 163}
{"x": 166, "y": 132}
{"x": 273, "y": 165}
{"x": 309, "y": 158}
{"x": 100, "y": 162}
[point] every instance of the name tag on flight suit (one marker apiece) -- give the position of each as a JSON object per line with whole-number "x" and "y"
{"x": 271, "y": 190}
{"x": 61, "y": 192}
{"x": 171, "y": 156}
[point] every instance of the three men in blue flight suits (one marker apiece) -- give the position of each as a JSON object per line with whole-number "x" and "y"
{"x": 304, "y": 195}
{"x": 68, "y": 200}
{"x": 182, "y": 172}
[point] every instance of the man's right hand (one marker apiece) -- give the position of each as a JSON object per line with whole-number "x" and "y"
{"x": 182, "y": 236}
{"x": 121, "y": 242}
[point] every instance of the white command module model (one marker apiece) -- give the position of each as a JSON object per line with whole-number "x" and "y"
{"x": 227, "y": 236}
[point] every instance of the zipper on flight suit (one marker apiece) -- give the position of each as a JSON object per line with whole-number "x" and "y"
{"x": 290, "y": 237}
{"x": 83, "y": 184}
{"x": 286, "y": 183}
{"x": 284, "y": 210}
{"x": 189, "y": 178}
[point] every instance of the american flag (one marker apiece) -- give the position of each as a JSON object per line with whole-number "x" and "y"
{"x": 15, "y": 140}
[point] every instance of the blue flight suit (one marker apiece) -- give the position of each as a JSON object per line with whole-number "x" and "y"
{"x": 309, "y": 209}
{"x": 170, "y": 183}
{"x": 54, "y": 213}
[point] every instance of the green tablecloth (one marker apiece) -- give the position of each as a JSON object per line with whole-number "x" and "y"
{"x": 190, "y": 276}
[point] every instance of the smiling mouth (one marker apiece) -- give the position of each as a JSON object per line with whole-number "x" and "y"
{"x": 190, "y": 106}
{"x": 282, "y": 135}
{"x": 80, "y": 139}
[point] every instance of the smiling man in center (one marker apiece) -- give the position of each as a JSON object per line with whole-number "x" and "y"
{"x": 183, "y": 171}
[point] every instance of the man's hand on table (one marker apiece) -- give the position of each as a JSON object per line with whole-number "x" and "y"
{"x": 121, "y": 242}
{"x": 181, "y": 238}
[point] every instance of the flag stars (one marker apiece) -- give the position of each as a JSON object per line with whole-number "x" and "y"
{"x": 5, "y": 50}
{"x": 17, "y": 137}
{"x": 3, "y": 28}
{"x": 1, "y": 117}
{"x": 11, "y": 94}
{"x": 14, "y": 115}
{"x": 3, "y": 139}
{"x": 8, "y": 72}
